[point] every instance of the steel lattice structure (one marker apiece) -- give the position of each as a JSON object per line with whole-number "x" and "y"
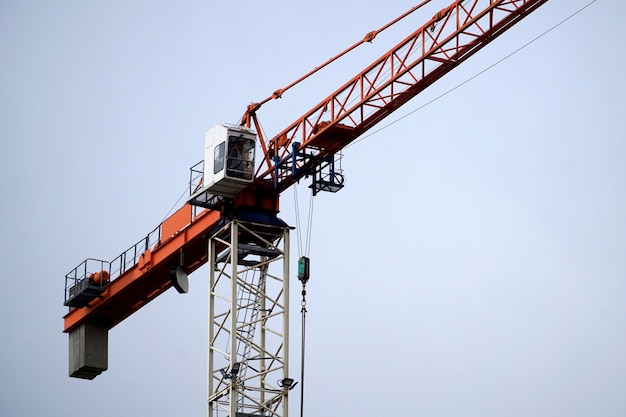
{"x": 248, "y": 247}
{"x": 248, "y": 320}
{"x": 449, "y": 38}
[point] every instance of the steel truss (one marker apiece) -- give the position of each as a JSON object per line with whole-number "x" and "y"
{"x": 450, "y": 37}
{"x": 248, "y": 372}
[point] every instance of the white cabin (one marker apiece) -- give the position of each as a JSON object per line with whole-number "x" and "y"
{"x": 228, "y": 159}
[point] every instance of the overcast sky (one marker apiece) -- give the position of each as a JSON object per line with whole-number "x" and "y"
{"x": 474, "y": 264}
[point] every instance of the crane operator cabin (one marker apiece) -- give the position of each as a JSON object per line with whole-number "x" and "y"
{"x": 228, "y": 159}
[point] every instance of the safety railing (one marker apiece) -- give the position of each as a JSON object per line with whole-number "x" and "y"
{"x": 86, "y": 282}
{"x": 89, "y": 279}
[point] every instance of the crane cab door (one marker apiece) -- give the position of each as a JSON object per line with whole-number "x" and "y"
{"x": 228, "y": 159}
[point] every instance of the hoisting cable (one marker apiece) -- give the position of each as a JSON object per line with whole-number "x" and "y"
{"x": 309, "y": 227}
{"x": 303, "y": 276}
{"x": 304, "y": 248}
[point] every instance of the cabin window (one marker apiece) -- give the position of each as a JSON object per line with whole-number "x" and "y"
{"x": 240, "y": 158}
{"x": 219, "y": 157}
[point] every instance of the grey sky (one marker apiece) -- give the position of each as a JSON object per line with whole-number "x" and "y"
{"x": 473, "y": 265}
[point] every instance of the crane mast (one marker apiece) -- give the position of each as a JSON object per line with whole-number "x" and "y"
{"x": 248, "y": 358}
{"x": 230, "y": 220}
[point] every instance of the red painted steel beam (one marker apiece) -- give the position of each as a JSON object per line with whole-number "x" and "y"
{"x": 150, "y": 277}
{"x": 449, "y": 38}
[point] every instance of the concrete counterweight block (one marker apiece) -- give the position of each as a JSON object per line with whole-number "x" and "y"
{"x": 89, "y": 350}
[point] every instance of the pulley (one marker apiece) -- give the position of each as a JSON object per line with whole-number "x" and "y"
{"x": 303, "y": 269}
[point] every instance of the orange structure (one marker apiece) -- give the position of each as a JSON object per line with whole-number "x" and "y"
{"x": 308, "y": 147}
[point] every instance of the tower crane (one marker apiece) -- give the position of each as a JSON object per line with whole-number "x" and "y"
{"x": 230, "y": 219}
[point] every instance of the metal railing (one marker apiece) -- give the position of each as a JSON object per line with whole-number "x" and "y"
{"x": 78, "y": 277}
{"x": 130, "y": 256}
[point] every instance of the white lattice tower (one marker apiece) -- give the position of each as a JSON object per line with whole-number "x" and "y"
{"x": 248, "y": 320}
